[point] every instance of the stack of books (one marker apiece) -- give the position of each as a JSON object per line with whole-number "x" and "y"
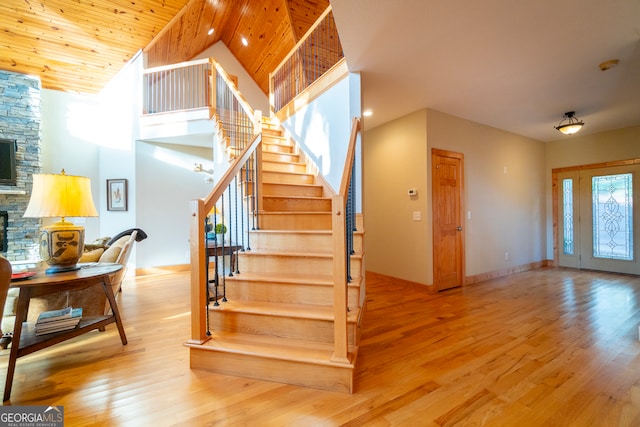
{"x": 58, "y": 320}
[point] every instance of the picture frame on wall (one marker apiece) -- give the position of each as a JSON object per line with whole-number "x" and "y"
{"x": 117, "y": 195}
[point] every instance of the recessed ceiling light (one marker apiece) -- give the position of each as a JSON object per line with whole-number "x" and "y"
{"x": 245, "y": 42}
{"x": 367, "y": 113}
{"x": 210, "y": 31}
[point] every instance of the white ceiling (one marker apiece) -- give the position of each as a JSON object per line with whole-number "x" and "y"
{"x": 513, "y": 65}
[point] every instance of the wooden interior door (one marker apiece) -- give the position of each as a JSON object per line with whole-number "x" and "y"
{"x": 448, "y": 235}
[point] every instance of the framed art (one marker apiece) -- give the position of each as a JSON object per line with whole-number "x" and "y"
{"x": 116, "y": 194}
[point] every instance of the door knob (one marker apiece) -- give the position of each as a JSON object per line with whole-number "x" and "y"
{"x": 459, "y": 228}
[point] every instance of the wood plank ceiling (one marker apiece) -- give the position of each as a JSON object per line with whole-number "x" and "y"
{"x": 79, "y": 45}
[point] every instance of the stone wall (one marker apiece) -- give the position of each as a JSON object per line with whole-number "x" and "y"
{"x": 20, "y": 119}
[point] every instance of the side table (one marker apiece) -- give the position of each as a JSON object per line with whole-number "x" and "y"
{"x": 25, "y": 341}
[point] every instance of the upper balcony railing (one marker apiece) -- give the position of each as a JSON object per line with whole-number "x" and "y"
{"x": 313, "y": 55}
{"x": 178, "y": 87}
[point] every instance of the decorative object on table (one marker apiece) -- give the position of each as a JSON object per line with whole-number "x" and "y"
{"x": 58, "y": 320}
{"x": 220, "y": 231}
{"x": 61, "y": 243}
{"x": 209, "y": 220}
{"x": 116, "y": 194}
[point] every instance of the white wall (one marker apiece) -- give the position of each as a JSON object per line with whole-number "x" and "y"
{"x": 247, "y": 87}
{"x": 504, "y": 191}
{"x": 69, "y": 142}
{"x": 322, "y": 129}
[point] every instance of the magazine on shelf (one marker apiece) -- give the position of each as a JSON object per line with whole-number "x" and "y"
{"x": 53, "y": 315}
{"x": 67, "y": 318}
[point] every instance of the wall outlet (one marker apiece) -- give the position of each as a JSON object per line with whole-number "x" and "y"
{"x": 417, "y": 216}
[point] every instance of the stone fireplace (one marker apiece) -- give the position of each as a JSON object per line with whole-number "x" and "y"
{"x": 20, "y": 120}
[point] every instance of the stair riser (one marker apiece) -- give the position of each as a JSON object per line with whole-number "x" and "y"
{"x": 286, "y": 178}
{"x": 322, "y": 377}
{"x": 300, "y": 221}
{"x": 281, "y": 264}
{"x": 283, "y": 167}
{"x": 276, "y": 148}
{"x": 285, "y": 204}
{"x": 276, "y": 140}
{"x": 291, "y": 190}
{"x": 280, "y": 157}
{"x": 317, "y": 330}
{"x": 299, "y": 242}
{"x": 292, "y": 293}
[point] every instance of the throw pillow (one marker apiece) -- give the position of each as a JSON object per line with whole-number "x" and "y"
{"x": 91, "y": 256}
{"x": 111, "y": 254}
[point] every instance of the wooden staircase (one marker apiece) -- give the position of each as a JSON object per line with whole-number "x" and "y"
{"x": 277, "y": 323}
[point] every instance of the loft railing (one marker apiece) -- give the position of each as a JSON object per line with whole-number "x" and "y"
{"x": 313, "y": 55}
{"x": 178, "y": 87}
{"x": 344, "y": 226}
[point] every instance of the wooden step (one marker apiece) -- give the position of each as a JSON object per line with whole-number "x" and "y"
{"x": 292, "y": 263}
{"x": 270, "y": 177}
{"x": 274, "y": 147}
{"x": 275, "y": 189}
{"x": 295, "y": 204}
{"x": 277, "y": 140}
{"x": 308, "y": 322}
{"x": 300, "y": 240}
{"x": 275, "y": 166}
{"x": 286, "y": 361}
{"x": 294, "y": 220}
{"x": 270, "y": 156}
{"x": 300, "y": 289}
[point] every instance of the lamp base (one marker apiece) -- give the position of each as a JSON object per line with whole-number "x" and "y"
{"x": 60, "y": 269}
{"x": 61, "y": 245}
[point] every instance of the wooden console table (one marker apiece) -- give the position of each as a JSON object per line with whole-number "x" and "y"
{"x": 25, "y": 340}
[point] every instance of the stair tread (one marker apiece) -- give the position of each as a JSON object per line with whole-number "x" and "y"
{"x": 276, "y": 347}
{"x": 296, "y": 279}
{"x": 275, "y": 196}
{"x": 282, "y": 309}
{"x": 321, "y": 279}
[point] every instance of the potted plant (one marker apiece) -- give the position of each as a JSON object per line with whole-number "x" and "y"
{"x": 220, "y": 230}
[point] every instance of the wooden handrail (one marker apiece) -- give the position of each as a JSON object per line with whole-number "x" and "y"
{"x": 199, "y": 208}
{"x": 236, "y": 93}
{"x": 340, "y": 256}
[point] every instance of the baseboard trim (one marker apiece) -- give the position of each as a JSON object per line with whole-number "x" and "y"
{"x": 470, "y": 280}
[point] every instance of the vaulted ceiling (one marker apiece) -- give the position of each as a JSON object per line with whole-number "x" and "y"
{"x": 79, "y": 45}
{"x": 517, "y": 66}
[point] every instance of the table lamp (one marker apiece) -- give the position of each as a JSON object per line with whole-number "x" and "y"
{"x": 61, "y": 243}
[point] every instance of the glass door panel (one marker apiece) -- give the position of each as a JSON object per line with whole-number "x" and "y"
{"x": 607, "y": 221}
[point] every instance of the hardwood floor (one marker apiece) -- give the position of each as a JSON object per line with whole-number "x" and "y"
{"x": 549, "y": 347}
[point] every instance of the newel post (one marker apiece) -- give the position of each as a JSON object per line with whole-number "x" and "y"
{"x": 341, "y": 349}
{"x": 198, "y": 253}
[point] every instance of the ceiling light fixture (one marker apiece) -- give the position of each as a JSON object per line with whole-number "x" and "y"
{"x": 570, "y": 123}
{"x": 367, "y": 113}
{"x": 210, "y": 31}
{"x": 245, "y": 42}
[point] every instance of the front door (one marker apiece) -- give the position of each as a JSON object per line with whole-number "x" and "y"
{"x": 448, "y": 235}
{"x": 597, "y": 223}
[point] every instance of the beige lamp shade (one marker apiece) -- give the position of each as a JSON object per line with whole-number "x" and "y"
{"x": 62, "y": 243}
{"x": 60, "y": 196}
